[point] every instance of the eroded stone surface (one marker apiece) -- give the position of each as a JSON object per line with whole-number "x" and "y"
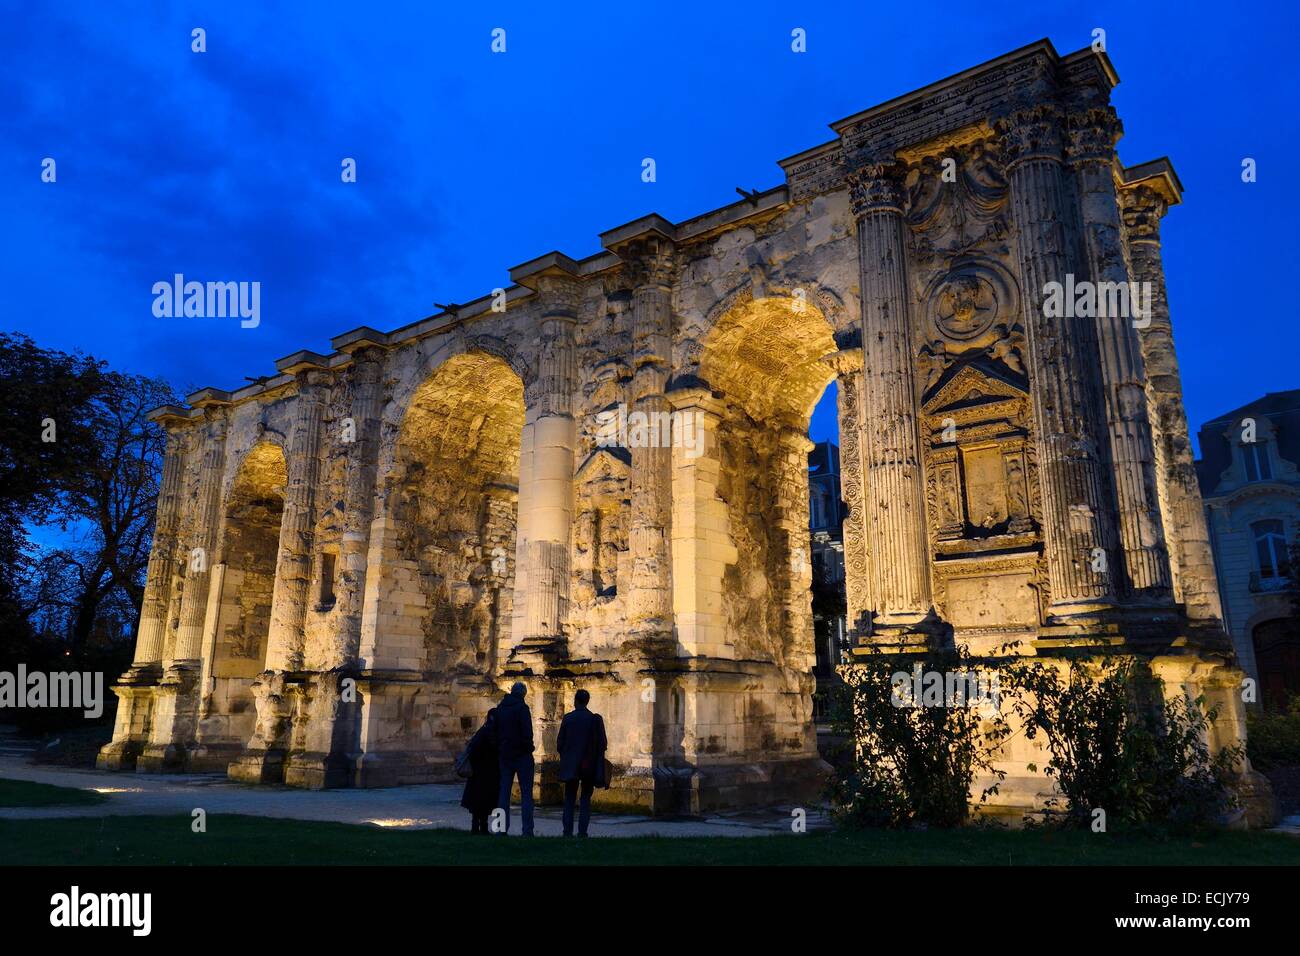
{"x": 397, "y": 530}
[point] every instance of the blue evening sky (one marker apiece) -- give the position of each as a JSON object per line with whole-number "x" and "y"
{"x": 225, "y": 165}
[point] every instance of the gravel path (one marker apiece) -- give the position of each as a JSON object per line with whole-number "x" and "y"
{"x": 417, "y": 807}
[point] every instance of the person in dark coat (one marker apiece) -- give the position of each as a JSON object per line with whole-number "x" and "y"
{"x": 581, "y": 745}
{"x": 515, "y": 740}
{"x": 484, "y": 783}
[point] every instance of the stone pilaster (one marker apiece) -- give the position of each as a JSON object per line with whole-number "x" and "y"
{"x": 650, "y": 269}
{"x": 176, "y": 704}
{"x": 1091, "y": 153}
{"x": 136, "y": 688}
{"x": 1076, "y": 519}
{"x": 546, "y": 490}
{"x": 847, "y": 365}
{"x": 1142, "y": 206}
{"x": 701, "y": 545}
{"x": 894, "y": 509}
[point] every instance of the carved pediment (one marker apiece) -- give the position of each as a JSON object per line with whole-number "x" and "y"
{"x": 604, "y": 463}
{"x": 978, "y": 382}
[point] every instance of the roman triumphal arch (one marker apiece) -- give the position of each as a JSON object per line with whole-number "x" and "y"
{"x": 597, "y": 476}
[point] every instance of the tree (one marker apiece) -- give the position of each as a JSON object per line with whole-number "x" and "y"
{"x": 78, "y": 455}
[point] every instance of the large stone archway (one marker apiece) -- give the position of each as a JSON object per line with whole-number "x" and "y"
{"x": 243, "y": 583}
{"x": 455, "y": 518}
{"x": 441, "y": 567}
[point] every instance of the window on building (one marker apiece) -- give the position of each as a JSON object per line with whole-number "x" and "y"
{"x": 1270, "y": 548}
{"x": 1255, "y": 454}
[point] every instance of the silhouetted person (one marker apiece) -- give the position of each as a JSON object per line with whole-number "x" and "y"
{"x": 515, "y": 740}
{"x": 484, "y": 783}
{"x": 582, "y": 746}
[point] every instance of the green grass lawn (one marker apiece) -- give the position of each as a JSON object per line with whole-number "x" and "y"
{"x": 22, "y": 793}
{"x": 255, "y": 840}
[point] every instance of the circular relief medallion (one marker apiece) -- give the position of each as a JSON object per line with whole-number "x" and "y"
{"x": 965, "y": 305}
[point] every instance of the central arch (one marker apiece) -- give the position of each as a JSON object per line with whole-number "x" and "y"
{"x": 443, "y": 561}
{"x": 763, "y": 358}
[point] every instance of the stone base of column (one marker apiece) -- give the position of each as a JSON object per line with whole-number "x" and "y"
{"x": 135, "y": 692}
{"x": 319, "y": 771}
{"x": 259, "y": 766}
{"x": 175, "y": 721}
{"x": 325, "y": 732}
{"x": 208, "y": 756}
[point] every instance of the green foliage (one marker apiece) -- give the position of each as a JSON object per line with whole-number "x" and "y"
{"x": 1273, "y": 737}
{"x": 1115, "y": 746}
{"x": 909, "y": 765}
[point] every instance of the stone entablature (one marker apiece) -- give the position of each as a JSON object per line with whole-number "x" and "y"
{"x": 452, "y": 515}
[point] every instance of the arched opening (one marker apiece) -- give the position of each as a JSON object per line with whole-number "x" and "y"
{"x": 448, "y": 554}
{"x": 764, "y": 358}
{"x": 246, "y": 577}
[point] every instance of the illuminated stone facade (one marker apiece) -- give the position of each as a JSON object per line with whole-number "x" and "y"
{"x": 355, "y": 556}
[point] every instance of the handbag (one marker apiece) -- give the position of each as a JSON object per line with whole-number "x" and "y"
{"x": 606, "y": 774}
{"x": 462, "y": 765}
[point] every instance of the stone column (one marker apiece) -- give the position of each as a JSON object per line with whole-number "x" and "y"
{"x": 1196, "y": 586}
{"x": 263, "y": 759}
{"x": 847, "y": 365}
{"x": 1091, "y": 152}
{"x": 358, "y": 501}
{"x": 791, "y": 518}
{"x": 135, "y": 689}
{"x": 176, "y": 706}
{"x": 891, "y": 446}
{"x": 297, "y": 529}
{"x": 1076, "y": 518}
{"x": 649, "y": 264}
{"x": 158, "y": 579}
{"x": 545, "y": 553}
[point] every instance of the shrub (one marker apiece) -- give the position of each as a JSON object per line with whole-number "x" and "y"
{"x": 908, "y": 765}
{"x": 1273, "y": 737}
{"x": 1116, "y": 746}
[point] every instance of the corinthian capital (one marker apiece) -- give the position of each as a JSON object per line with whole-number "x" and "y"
{"x": 1032, "y": 132}
{"x": 1092, "y": 135}
{"x": 648, "y": 261}
{"x": 559, "y": 295}
{"x": 875, "y": 185}
{"x": 1142, "y": 209}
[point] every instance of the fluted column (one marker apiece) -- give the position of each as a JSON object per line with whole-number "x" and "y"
{"x": 1195, "y": 584}
{"x": 891, "y": 448}
{"x": 138, "y": 689}
{"x": 293, "y": 568}
{"x": 545, "y": 551}
{"x": 194, "y": 600}
{"x": 173, "y": 722}
{"x": 358, "y": 504}
{"x": 650, "y": 600}
{"x": 162, "y": 556}
{"x": 1076, "y": 518}
{"x": 1091, "y": 153}
{"x": 847, "y": 365}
